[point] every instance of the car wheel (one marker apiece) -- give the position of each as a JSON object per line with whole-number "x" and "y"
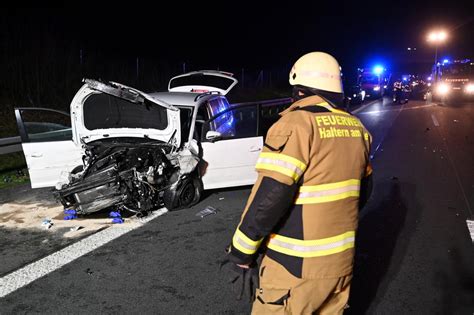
{"x": 186, "y": 195}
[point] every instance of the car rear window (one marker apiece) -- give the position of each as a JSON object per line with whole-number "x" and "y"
{"x": 102, "y": 111}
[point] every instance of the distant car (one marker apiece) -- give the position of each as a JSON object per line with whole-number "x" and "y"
{"x": 354, "y": 94}
{"x": 130, "y": 150}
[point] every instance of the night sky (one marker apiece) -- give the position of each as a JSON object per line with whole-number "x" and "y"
{"x": 248, "y": 35}
{"x": 244, "y": 34}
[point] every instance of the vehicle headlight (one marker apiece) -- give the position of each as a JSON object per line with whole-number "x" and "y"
{"x": 470, "y": 88}
{"x": 442, "y": 88}
{"x": 377, "y": 88}
{"x": 354, "y": 95}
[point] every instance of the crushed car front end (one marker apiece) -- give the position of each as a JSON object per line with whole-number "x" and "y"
{"x": 133, "y": 159}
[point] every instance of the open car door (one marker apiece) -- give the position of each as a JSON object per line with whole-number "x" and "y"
{"x": 47, "y": 144}
{"x": 230, "y": 157}
{"x": 202, "y": 82}
{"x": 233, "y": 138}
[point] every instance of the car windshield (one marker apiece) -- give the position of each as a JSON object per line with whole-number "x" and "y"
{"x": 372, "y": 79}
{"x": 458, "y": 69}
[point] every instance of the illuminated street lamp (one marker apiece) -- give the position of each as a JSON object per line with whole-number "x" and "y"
{"x": 437, "y": 37}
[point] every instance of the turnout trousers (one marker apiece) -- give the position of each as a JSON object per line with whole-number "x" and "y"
{"x": 282, "y": 293}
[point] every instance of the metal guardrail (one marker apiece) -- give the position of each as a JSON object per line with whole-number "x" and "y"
{"x": 13, "y": 144}
{"x": 10, "y": 145}
{"x": 278, "y": 101}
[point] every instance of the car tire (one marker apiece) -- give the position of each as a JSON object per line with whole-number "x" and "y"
{"x": 186, "y": 195}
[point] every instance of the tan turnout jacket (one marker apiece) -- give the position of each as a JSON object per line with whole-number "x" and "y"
{"x": 321, "y": 154}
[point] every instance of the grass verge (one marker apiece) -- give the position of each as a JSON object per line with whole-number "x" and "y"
{"x": 13, "y": 170}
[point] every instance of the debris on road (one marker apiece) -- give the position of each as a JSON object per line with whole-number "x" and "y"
{"x": 71, "y": 214}
{"x": 47, "y": 223}
{"x": 76, "y": 228}
{"x": 116, "y": 217}
{"x": 115, "y": 214}
{"x": 206, "y": 211}
{"x": 70, "y": 211}
{"x": 221, "y": 198}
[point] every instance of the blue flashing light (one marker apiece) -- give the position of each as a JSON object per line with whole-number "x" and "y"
{"x": 445, "y": 61}
{"x": 378, "y": 70}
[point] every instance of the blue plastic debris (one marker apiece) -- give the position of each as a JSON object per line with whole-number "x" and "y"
{"x": 70, "y": 211}
{"x": 115, "y": 214}
{"x": 70, "y": 217}
{"x": 117, "y": 220}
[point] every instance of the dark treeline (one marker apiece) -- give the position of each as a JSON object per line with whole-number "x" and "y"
{"x": 39, "y": 68}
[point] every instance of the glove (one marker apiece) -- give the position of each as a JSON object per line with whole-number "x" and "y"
{"x": 243, "y": 281}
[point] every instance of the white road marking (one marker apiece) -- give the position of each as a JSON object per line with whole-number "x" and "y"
{"x": 396, "y": 110}
{"x": 42, "y": 267}
{"x": 435, "y": 121}
{"x": 470, "y": 226}
{"x": 365, "y": 106}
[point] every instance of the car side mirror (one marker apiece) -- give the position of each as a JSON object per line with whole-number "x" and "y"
{"x": 213, "y": 135}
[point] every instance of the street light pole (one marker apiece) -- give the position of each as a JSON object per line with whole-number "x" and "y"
{"x": 437, "y": 37}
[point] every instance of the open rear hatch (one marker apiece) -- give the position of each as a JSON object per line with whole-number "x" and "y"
{"x": 202, "y": 82}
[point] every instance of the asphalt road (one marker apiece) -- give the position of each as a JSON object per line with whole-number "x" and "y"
{"x": 414, "y": 252}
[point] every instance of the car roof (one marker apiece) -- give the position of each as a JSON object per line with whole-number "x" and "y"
{"x": 183, "y": 98}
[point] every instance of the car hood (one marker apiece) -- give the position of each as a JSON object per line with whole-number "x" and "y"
{"x": 109, "y": 110}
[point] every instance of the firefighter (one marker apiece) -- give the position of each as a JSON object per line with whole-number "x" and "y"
{"x": 314, "y": 175}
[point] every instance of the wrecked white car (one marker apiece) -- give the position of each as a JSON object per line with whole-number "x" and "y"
{"x": 134, "y": 151}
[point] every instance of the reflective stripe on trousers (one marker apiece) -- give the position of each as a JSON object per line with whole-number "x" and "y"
{"x": 328, "y": 192}
{"x": 312, "y": 248}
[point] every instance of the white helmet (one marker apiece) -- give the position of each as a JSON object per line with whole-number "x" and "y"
{"x": 317, "y": 70}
